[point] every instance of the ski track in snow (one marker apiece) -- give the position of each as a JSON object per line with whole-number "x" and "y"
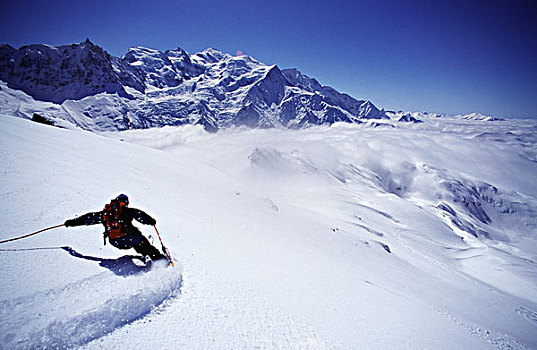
{"x": 82, "y": 311}
{"x": 498, "y": 340}
{"x": 528, "y": 314}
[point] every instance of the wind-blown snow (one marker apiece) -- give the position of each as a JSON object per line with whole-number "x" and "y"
{"x": 417, "y": 236}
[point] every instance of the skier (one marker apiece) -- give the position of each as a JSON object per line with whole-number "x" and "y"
{"x": 117, "y": 219}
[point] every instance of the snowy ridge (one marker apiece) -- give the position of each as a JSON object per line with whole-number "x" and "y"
{"x": 419, "y": 116}
{"x": 477, "y": 116}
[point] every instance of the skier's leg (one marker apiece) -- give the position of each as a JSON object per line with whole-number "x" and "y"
{"x": 145, "y": 248}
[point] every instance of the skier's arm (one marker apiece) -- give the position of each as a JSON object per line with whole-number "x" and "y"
{"x": 86, "y": 219}
{"x": 142, "y": 217}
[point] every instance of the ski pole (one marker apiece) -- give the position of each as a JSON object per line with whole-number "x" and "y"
{"x": 30, "y": 234}
{"x": 164, "y": 248}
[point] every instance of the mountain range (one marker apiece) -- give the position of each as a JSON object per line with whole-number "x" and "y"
{"x": 86, "y": 86}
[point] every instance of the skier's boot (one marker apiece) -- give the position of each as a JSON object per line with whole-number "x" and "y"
{"x": 148, "y": 262}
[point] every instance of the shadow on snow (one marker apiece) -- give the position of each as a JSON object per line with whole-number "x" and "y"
{"x": 123, "y": 266}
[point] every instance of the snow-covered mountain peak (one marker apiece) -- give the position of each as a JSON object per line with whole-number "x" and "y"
{"x": 178, "y": 52}
{"x": 477, "y": 116}
{"x": 66, "y": 72}
{"x": 148, "y": 87}
{"x": 210, "y": 55}
{"x": 159, "y": 70}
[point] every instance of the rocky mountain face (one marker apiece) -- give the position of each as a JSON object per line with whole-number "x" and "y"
{"x": 148, "y": 88}
{"x": 71, "y": 72}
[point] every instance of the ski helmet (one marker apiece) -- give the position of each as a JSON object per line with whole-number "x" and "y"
{"x": 123, "y": 198}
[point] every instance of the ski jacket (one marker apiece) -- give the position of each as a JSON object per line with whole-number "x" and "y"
{"x": 127, "y": 215}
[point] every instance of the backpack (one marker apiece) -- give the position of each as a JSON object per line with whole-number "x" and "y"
{"x": 112, "y": 220}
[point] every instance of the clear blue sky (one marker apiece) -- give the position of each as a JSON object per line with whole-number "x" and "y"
{"x": 437, "y": 56}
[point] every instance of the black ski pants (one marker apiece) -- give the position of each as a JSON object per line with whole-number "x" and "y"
{"x": 145, "y": 248}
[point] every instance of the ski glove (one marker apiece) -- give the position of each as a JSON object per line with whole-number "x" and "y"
{"x": 70, "y": 223}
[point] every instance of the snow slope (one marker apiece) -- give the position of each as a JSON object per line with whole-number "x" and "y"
{"x": 417, "y": 236}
